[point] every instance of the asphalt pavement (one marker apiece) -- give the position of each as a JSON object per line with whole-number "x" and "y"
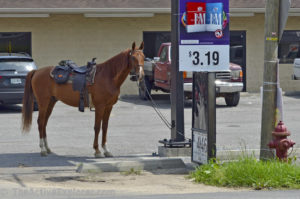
{"x": 58, "y": 194}
{"x": 135, "y": 128}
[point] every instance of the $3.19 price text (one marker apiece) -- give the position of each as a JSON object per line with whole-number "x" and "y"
{"x": 204, "y": 58}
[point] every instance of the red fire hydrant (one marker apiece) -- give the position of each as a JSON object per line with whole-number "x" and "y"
{"x": 280, "y": 141}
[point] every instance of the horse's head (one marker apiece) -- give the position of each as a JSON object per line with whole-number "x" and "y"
{"x": 136, "y": 60}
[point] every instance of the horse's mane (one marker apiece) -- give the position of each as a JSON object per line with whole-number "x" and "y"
{"x": 116, "y": 63}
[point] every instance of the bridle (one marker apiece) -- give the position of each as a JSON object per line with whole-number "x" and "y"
{"x": 139, "y": 65}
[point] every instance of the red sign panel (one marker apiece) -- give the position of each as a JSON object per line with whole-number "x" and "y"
{"x": 195, "y": 16}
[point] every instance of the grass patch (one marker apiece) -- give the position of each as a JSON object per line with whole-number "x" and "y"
{"x": 249, "y": 172}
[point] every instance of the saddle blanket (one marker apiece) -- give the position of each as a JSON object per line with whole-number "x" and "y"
{"x": 79, "y": 77}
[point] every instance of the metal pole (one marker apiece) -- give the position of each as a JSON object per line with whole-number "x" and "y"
{"x": 177, "y": 95}
{"x": 211, "y": 145}
{"x": 270, "y": 77}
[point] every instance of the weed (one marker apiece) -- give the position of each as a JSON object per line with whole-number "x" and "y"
{"x": 132, "y": 171}
{"x": 247, "y": 171}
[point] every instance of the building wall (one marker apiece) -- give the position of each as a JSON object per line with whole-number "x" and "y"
{"x": 80, "y": 39}
{"x": 254, "y": 27}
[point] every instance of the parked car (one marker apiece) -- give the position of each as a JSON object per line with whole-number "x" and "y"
{"x": 13, "y": 70}
{"x": 296, "y": 69}
{"x": 157, "y": 71}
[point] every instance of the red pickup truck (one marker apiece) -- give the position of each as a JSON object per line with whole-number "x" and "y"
{"x": 158, "y": 77}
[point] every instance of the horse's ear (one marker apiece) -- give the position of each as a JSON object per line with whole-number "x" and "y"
{"x": 141, "y": 46}
{"x": 133, "y": 46}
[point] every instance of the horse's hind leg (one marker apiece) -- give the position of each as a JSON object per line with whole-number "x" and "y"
{"x": 45, "y": 109}
{"x": 98, "y": 118}
{"x": 104, "y": 131}
{"x": 49, "y": 111}
{"x": 41, "y": 124}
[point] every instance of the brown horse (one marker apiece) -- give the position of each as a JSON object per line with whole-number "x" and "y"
{"x": 104, "y": 93}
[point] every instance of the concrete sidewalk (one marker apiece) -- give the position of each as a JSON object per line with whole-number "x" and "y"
{"x": 132, "y": 175}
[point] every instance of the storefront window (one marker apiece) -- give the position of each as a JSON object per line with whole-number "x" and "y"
{"x": 289, "y": 47}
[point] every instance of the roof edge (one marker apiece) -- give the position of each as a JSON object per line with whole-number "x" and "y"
{"x": 258, "y": 10}
{"x": 115, "y": 10}
{"x": 84, "y": 10}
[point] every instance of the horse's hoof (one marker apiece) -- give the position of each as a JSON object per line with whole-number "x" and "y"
{"x": 99, "y": 155}
{"x": 44, "y": 153}
{"x": 49, "y": 151}
{"x": 108, "y": 154}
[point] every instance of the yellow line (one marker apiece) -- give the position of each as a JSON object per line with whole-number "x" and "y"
{"x": 9, "y": 47}
{"x": 272, "y": 38}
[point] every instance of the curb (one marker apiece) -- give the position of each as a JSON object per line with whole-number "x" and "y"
{"x": 132, "y": 164}
{"x": 156, "y": 164}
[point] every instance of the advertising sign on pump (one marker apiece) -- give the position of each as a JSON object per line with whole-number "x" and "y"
{"x": 204, "y": 35}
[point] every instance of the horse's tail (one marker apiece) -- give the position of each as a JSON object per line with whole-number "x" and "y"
{"x": 28, "y": 100}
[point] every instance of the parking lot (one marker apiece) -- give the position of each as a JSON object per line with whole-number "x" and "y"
{"x": 134, "y": 127}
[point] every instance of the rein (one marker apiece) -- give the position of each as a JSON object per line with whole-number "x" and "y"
{"x": 156, "y": 108}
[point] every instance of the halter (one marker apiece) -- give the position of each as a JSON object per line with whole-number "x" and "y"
{"x": 134, "y": 51}
{"x": 130, "y": 54}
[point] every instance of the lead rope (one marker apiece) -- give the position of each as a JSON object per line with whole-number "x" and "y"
{"x": 155, "y": 107}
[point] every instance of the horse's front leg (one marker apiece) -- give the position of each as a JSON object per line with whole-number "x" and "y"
{"x": 98, "y": 119}
{"x": 104, "y": 131}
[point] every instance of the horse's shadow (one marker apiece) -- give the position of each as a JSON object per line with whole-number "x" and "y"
{"x": 23, "y": 160}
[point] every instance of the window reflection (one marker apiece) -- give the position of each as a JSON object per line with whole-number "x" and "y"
{"x": 289, "y": 46}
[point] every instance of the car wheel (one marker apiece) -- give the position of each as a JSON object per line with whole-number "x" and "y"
{"x": 143, "y": 85}
{"x": 35, "y": 106}
{"x": 232, "y": 99}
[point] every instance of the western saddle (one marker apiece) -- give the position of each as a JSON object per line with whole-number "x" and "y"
{"x": 68, "y": 71}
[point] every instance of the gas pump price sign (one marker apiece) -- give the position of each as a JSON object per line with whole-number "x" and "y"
{"x": 196, "y": 57}
{"x": 204, "y": 35}
{"x": 204, "y": 58}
